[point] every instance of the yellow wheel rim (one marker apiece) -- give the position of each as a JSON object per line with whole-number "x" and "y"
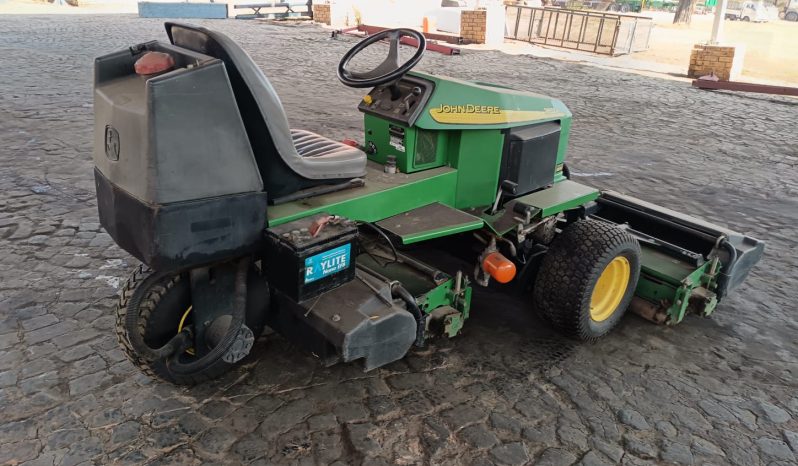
{"x": 610, "y": 288}
{"x": 181, "y": 324}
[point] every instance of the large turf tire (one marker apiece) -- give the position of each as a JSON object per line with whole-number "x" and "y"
{"x": 570, "y": 270}
{"x": 160, "y": 300}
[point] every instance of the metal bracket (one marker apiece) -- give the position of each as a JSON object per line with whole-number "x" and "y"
{"x": 212, "y": 296}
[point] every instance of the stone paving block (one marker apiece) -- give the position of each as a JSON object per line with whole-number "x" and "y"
{"x": 775, "y": 449}
{"x": 87, "y": 382}
{"x": 39, "y": 382}
{"x": 216, "y": 440}
{"x": 792, "y": 439}
{"x": 250, "y": 448}
{"x": 503, "y": 422}
{"x": 75, "y": 353}
{"x": 49, "y": 332}
{"x": 705, "y": 447}
{"x": 19, "y": 452}
{"x": 640, "y": 448}
{"x": 478, "y": 436}
{"x": 434, "y": 435}
{"x": 611, "y": 450}
{"x": 676, "y": 453}
{"x": 322, "y": 422}
{"x": 351, "y": 412}
{"x": 462, "y": 415}
{"x": 38, "y": 322}
{"x": 773, "y": 413}
{"x": 555, "y": 457}
{"x": 36, "y": 367}
{"x": 632, "y": 418}
{"x": 8, "y": 379}
{"x": 361, "y": 438}
{"x": 8, "y": 340}
{"x": 592, "y": 458}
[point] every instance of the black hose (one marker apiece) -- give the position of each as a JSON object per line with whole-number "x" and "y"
{"x": 399, "y": 291}
{"x": 180, "y": 342}
{"x": 176, "y": 345}
{"x": 732, "y": 253}
{"x": 388, "y": 240}
{"x": 238, "y": 320}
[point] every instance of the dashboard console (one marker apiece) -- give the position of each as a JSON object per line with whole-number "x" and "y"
{"x": 400, "y": 102}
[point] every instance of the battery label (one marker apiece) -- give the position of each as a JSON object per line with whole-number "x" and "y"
{"x": 327, "y": 263}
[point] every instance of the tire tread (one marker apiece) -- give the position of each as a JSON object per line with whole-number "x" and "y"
{"x": 564, "y": 284}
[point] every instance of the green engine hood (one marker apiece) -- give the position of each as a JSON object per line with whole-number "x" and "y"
{"x": 457, "y": 104}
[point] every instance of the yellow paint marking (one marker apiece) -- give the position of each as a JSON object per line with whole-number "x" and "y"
{"x": 471, "y": 115}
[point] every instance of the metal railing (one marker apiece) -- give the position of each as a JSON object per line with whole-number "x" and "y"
{"x": 590, "y": 31}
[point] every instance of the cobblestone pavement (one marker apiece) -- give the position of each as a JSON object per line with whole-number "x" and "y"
{"x": 508, "y": 391}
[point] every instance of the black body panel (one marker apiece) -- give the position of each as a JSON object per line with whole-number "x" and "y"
{"x": 357, "y": 320}
{"x": 530, "y": 156}
{"x": 182, "y": 234}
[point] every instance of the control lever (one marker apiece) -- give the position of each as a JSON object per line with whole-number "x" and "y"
{"x": 508, "y": 187}
{"x": 395, "y": 91}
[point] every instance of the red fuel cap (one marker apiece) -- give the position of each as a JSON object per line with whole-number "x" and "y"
{"x": 154, "y": 62}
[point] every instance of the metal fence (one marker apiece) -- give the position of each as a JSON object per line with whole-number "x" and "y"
{"x": 597, "y": 32}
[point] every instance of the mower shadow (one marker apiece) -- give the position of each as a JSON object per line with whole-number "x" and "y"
{"x": 503, "y": 335}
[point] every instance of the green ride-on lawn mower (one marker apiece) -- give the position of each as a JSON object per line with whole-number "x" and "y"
{"x": 242, "y": 222}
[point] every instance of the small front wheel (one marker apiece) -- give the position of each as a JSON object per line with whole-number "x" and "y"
{"x": 162, "y": 302}
{"x": 587, "y": 279}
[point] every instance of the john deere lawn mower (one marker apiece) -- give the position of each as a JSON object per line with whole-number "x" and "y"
{"x": 242, "y": 222}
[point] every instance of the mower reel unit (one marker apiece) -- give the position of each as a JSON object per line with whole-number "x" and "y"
{"x": 241, "y": 222}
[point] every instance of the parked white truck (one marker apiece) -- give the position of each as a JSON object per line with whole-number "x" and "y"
{"x": 790, "y": 11}
{"x": 748, "y": 10}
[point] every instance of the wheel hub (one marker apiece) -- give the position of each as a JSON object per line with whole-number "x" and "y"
{"x": 610, "y": 289}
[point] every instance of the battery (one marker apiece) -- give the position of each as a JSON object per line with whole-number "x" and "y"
{"x": 301, "y": 265}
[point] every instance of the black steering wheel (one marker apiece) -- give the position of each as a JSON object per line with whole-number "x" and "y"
{"x": 391, "y": 69}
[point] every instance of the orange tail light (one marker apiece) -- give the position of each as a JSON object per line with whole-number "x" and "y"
{"x": 499, "y": 267}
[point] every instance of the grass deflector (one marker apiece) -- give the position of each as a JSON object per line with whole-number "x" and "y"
{"x": 241, "y": 222}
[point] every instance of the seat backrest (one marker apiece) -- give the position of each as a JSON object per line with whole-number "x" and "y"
{"x": 261, "y": 110}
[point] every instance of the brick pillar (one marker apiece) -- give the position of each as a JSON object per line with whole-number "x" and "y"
{"x": 725, "y": 61}
{"x": 472, "y": 26}
{"x": 321, "y": 13}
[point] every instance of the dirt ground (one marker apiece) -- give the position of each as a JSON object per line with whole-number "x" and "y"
{"x": 770, "y": 48}
{"x": 508, "y": 391}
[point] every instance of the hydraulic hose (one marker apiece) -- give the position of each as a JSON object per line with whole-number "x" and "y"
{"x": 732, "y": 252}
{"x": 724, "y": 275}
{"x": 180, "y": 342}
{"x": 176, "y": 345}
{"x": 399, "y": 291}
{"x": 237, "y": 322}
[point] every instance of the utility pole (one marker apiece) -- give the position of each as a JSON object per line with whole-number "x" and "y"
{"x": 717, "y": 25}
